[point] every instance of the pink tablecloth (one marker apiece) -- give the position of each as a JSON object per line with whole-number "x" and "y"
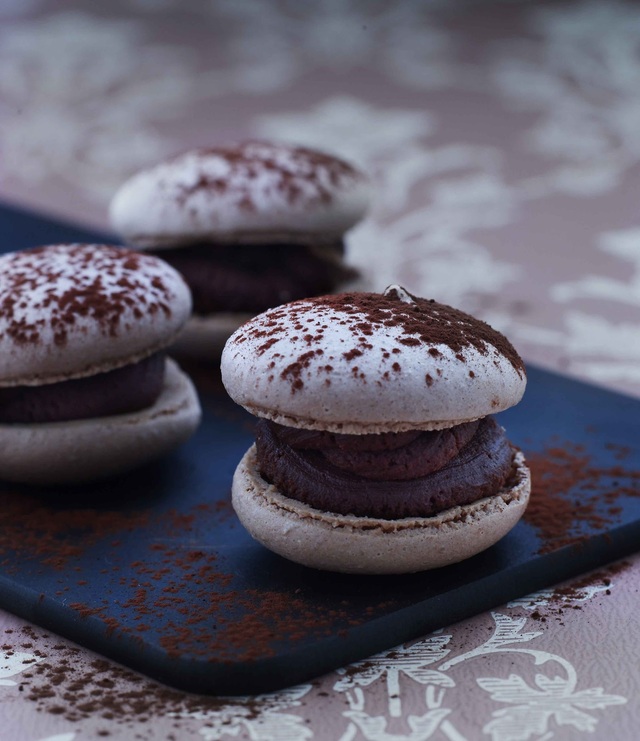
{"x": 504, "y": 139}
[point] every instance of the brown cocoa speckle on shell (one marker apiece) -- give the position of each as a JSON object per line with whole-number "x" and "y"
{"x": 303, "y": 177}
{"x": 419, "y": 321}
{"x": 52, "y": 287}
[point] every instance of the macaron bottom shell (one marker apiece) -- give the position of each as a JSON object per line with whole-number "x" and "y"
{"x": 78, "y": 451}
{"x": 360, "y": 545}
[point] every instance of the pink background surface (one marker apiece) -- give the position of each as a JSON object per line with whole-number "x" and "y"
{"x": 504, "y": 141}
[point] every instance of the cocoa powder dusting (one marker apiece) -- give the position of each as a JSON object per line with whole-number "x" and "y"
{"x": 70, "y": 683}
{"x": 193, "y": 598}
{"x": 51, "y": 290}
{"x": 570, "y": 493}
{"x": 174, "y": 590}
{"x": 419, "y": 321}
{"x": 30, "y": 527}
{"x": 569, "y": 596}
{"x": 423, "y": 321}
{"x": 256, "y": 170}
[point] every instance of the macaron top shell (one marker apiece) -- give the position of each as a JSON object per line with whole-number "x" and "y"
{"x": 361, "y": 363}
{"x": 254, "y": 192}
{"x": 73, "y": 310}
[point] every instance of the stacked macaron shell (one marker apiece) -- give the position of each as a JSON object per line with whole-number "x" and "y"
{"x": 85, "y": 388}
{"x": 249, "y": 227}
{"x": 376, "y": 450}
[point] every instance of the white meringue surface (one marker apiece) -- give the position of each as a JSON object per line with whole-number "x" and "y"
{"x": 73, "y": 310}
{"x": 251, "y": 193}
{"x": 313, "y": 365}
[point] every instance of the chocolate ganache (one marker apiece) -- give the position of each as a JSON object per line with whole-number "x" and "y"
{"x": 252, "y": 278}
{"x": 390, "y": 475}
{"x": 127, "y": 389}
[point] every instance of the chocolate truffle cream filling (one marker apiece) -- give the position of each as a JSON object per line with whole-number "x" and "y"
{"x": 387, "y": 476}
{"x": 127, "y": 389}
{"x": 252, "y": 278}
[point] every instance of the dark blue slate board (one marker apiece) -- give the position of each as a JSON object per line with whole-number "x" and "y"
{"x": 153, "y": 569}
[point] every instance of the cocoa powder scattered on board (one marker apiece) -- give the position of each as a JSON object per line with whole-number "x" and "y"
{"x": 167, "y": 577}
{"x": 181, "y": 591}
{"x": 191, "y": 596}
{"x": 572, "y": 495}
{"x": 30, "y": 527}
{"x": 70, "y": 683}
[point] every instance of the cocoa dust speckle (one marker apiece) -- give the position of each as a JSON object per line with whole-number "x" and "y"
{"x": 48, "y": 292}
{"x": 173, "y": 593}
{"x": 418, "y": 322}
{"x": 572, "y": 495}
{"x": 573, "y": 594}
{"x": 255, "y": 171}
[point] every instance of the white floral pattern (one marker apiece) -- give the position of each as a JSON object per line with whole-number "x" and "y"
{"x": 580, "y": 78}
{"x": 239, "y": 718}
{"x": 418, "y": 688}
{"x": 393, "y": 150}
{"x": 71, "y": 106}
{"x": 532, "y": 708}
{"x": 402, "y": 39}
{"x": 536, "y": 703}
{"x": 13, "y": 663}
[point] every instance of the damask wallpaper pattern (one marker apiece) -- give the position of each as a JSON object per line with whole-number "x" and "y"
{"x": 499, "y": 135}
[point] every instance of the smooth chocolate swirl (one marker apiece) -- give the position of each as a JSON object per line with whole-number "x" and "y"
{"x": 425, "y": 474}
{"x": 127, "y": 389}
{"x": 394, "y": 456}
{"x": 249, "y": 278}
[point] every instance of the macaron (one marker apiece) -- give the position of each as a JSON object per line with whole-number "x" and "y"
{"x": 249, "y": 226}
{"x": 86, "y": 389}
{"x": 376, "y": 448}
